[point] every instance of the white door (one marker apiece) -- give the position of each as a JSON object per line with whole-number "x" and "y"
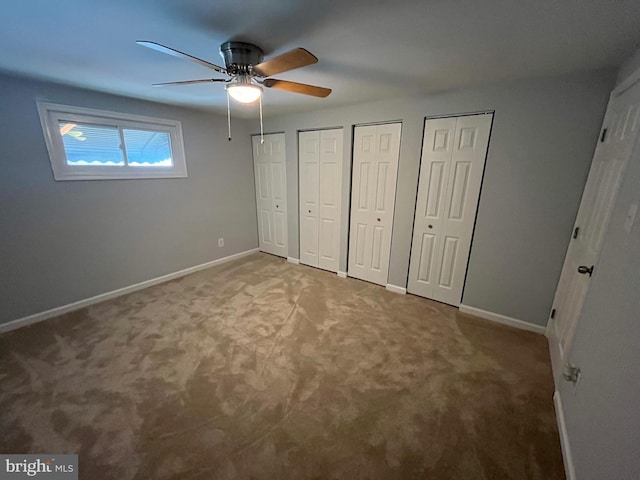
{"x": 320, "y": 157}
{"x": 376, "y": 152}
{"x": 271, "y": 193}
{"x": 453, "y": 156}
{"x": 309, "y": 184}
{"x": 619, "y": 131}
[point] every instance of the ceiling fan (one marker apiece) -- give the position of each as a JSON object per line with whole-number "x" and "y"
{"x": 246, "y": 71}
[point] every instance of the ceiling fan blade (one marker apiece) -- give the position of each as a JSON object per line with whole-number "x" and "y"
{"x": 190, "y": 82}
{"x": 176, "y": 53}
{"x": 296, "y": 58}
{"x": 297, "y": 87}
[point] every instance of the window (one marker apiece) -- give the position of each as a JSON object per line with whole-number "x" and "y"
{"x": 87, "y": 144}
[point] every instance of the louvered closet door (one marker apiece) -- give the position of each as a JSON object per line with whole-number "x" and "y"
{"x": 320, "y": 156}
{"x": 271, "y": 193}
{"x": 376, "y": 151}
{"x": 453, "y": 158}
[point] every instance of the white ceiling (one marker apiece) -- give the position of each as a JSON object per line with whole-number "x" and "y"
{"x": 368, "y": 49}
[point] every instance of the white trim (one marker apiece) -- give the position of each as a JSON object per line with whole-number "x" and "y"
{"x": 38, "y": 317}
{"x": 396, "y": 289}
{"x": 51, "y": 114}
{"x": 569, "y": 469}
{"x": 342, "y": 274}
{"x": 503, "y": 319}
{"x": 295, "y": 261}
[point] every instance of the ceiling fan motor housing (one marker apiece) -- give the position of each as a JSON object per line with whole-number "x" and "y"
{"x": 240, "y": 57}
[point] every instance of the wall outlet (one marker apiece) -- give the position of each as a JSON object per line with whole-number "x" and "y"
{"x": 221, "y": 242}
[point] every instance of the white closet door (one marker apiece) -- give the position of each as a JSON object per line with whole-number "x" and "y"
{"x": 309, "y": 171}
{"x": 271, "y": 193}
{"x": 453, "y": 158}
{"x": 376, "y": 152}
{"x": 320, "y": 156}
{"x": 331, "y": 154}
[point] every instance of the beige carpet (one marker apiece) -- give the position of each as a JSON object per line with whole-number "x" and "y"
{"x": 260, "y": 369}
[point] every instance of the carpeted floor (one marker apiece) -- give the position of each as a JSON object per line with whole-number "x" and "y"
{"x": 260, "y": 369}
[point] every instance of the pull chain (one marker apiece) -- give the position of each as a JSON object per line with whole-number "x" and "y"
{"x": 228, "y": 115}
{"x": 261, "y": 129}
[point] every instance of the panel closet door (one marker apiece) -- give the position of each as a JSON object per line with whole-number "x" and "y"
{"x": 271, "y": 193}
{"x": 453, "y": 158}
{"x": 320, "y": 155}
{"x": 309, "y": 184}
{"x": 376, "y": 151}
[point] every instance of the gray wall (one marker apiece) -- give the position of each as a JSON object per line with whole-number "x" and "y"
{"x": 65, "y": 241}
{"x": 542, "y": 141}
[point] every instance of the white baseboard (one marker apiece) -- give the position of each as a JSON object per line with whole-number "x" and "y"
{"x": 295, "y": 261}
{"x": 342, "y": 274}
{"x": 569, "y": 469}
{"x": 54, "y": 312}
{"x": 396, "y": 289}
{"x": 503, "y": 319}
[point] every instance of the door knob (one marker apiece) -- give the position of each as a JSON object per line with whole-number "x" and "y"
{"x": 277, "y": 206}
{"x": 583, "y": 269}
{"x": 378, "y": 219}
{"x": 309, "y": 211}
{"x": 430, "y": 226}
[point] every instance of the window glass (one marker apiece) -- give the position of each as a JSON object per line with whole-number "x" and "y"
{"x": 87, "y": 144}
{"x": 147, "y": 148}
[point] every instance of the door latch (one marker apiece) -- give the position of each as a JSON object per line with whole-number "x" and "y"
{"x": 571, "y": 373}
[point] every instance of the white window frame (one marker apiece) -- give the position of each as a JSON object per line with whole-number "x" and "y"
{"x": 52, "y": 113}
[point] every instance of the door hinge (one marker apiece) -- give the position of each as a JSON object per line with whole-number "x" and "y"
{"x": 553, "y": 313}
{"x": 575, "y": 232}
{"x": 603, "y": 136}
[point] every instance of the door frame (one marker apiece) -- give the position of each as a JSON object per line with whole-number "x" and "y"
{"x": 415, "y": 202}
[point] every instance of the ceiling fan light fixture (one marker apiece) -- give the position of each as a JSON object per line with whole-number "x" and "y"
{"x": 244, "y": 92}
